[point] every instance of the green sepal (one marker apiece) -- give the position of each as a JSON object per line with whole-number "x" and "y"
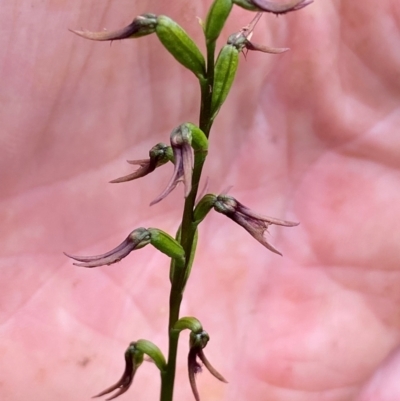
{"x": 188, "y": 323}
{"x": 146, "y": 25}
{"x": 201, "y": 210}
{"x": 150, "y": 349}
{"x": 216, "y": 18}
{"x": 169, "y": 154}
{"x": 225, "y": 71}
{"x": 199, "y": 140}
{"x": 166, "y": 244}
{"x": 160, "y": 153}
{"x": 238, "y": 41}
{"x": 180, "y": 45}
{"x": 136, "y": 355}
{"x": 198, "y": 339}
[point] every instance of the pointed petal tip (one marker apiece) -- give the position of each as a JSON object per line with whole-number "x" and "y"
{"x": 103, "y": 35}
{"x": 125, "y": 178}
{"x": 264, "y": 242}
{"x": 140, "y": 162}
{"x": 170, "y": 187}
{"x": 118, "y": 386}
{"x": 291, "y": 224}
{"x": 157, "y": 200}
{"x": 88, "y": 34}
{"x": 272, "y": 249}
{"x": 282, "y": 50}
{"x": 86, "y": 265}
{"x": 210, "y": 368}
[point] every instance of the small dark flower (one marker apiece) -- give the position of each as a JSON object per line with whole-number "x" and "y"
{"x": 254, "y": 223}
{"x": 241, "y": 39}
{"x": 142, "y": 25}
{"x": 136, "y": 239}
{"x": 197, "y": 342}
{"x": 159, "y": 155}
{"x": 133, "y": 359}
{"x": 183, "y": 162}
{"x": 146, "y": 167}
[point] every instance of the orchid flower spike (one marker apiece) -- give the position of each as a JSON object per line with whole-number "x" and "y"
{"x": 136, "y": 239}
{"x": 198, "y": 341}
{"x": 254, "y": 223}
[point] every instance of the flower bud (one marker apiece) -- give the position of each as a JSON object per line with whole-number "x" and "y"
{"x": 166, "y": 244}
{"x": 201, "y": 210}
{"x": 225, "y": 71}
{"x": 180, "y": 45}
{"x": 216, "y": 18}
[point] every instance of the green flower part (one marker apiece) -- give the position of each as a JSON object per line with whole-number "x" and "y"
{"x": 166, "y": 244}
{"x": 216, "y": 18}
{"x": 225, "y": 71}
{"x": 188, "y": 323}
{"x": 180, "y": 45}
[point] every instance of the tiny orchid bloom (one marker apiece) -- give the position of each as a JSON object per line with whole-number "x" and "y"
{"x": 273, "y": 7}
{"x": 241, "y": 39}
{"x": 159, "y": 155}
{"x": 198, "y": 341}
{"x": 136, "y": 239}
{"x": 254, "y": 223}
{"x": 142, "y": 25}
{"x": 183, "y": 162}
{"x": 133, "y": 359}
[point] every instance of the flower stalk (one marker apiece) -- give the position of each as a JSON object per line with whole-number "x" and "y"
{"x": 187, "y": 151}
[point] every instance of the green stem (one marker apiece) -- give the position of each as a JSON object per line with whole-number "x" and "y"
{"x": 188, "y": 230}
